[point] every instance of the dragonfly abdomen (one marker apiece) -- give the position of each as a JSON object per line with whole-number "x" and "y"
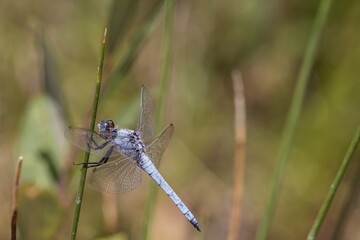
{"x": 150, "y": 169}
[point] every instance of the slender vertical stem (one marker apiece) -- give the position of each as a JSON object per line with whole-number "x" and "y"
{"x": 293, "y": 115}
{"x": 15, "y": 199}
{"x": 239, "y": 156}
{"x": 80, "y": 193}
{"x": 164, "y": 83}
{"x": 334, "y": 186}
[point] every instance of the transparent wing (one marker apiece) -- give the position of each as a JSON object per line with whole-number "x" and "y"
{"x": 145, "y": 123}
{"x": 90, "y": 141}
{"x": 118, "y": 176}
{"x": 157, "y": 147}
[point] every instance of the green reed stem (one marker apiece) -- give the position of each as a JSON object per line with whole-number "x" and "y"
{"x": 334, "y": 186}
{"x": 293, "y": 115}
{"x": 164, "y": 84}
{"x": 80, "y": 193}
{"x": 347, "y": 206}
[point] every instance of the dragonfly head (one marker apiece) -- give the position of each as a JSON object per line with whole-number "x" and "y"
{"x": 105, "y": 128}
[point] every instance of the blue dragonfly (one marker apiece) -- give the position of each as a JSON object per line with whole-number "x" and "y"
{"x": 125, "y": 152}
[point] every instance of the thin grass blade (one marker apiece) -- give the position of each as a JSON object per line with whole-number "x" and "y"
{"x": 334, "y": 186}
{"x": 293, "y": 115}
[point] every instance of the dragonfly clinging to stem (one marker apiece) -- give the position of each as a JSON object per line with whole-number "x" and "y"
{"x": 129, "y": 151}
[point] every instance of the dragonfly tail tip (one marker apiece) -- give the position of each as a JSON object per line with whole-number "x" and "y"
{"x": 197, "y": 227}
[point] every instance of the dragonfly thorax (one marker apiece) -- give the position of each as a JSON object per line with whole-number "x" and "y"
{"x": 129, "y": 142}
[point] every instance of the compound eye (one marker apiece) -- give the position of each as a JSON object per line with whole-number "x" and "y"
{"x": 110, "y": 124}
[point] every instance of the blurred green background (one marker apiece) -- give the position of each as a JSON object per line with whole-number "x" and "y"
{"x": 49, "y": 53}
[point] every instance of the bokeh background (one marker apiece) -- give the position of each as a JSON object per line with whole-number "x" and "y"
{"x": 49, "y": 53}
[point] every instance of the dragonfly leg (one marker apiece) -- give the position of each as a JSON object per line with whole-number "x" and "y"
{"x": 93, "y": 145}
{"x": 103, "y": 160}
{"x": 106, "y": 156}
{"x": 102, "y": 145}
{"x": 94, "y": 164}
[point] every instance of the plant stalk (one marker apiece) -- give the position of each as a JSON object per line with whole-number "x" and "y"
{"x": 80, "y": 193}
{"x": 334, "y": 186}
{"x": 239, "y": 156}
{"x": 293, "y": 115}
{"x": 15, "y": 193}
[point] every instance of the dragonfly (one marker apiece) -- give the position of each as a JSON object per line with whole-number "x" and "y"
{"x": 124, "y": 153}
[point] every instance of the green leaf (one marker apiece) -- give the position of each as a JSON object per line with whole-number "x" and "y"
{"x": 41, "y": 142}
